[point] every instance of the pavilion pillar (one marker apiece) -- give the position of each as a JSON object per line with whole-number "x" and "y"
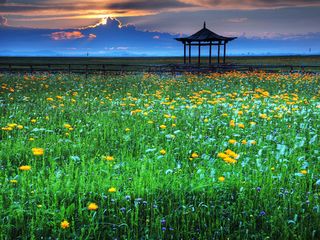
{"x": 224, "y": 51}
{"x": 199, "y": 53}
{"x": 189, "y": 52}
{"x": 184, "y": 52}
{"x": 210, "y": 53}
{"x": 219, "y": 45}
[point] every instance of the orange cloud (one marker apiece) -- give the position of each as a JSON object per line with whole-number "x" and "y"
{"x": 67, "y": 35}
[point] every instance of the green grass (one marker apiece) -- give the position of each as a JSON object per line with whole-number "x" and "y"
{"x": 270, "y": 192}
{"x": 271, "y": 60}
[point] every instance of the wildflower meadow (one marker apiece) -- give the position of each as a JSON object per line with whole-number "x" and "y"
{"x": 214, "y": 156}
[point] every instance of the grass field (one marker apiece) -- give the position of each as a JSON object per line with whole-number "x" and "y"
{"x": 219, "y": 156}
{"x": 273, "y": 60}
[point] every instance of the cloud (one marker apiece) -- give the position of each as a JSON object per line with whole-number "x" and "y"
{"x": 149, "y": 5}
{"x": 92, "y": 36}
{"x": 3, "y": 21}
{"x": 73, "y": 13}
{"x": 252, "y": 4}
{"x": 66, "y": 35}
{"x": 156, "y": 37}
{"x": 237, "y": 20}
{"x": 122, "y": 48}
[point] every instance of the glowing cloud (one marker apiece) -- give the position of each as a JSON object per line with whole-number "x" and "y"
{"x": 67, "y": 35}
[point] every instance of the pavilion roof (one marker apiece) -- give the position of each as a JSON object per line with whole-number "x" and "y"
{"x": 205, "y": 35}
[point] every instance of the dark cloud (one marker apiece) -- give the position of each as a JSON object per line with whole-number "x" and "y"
{"x": 254, "y": 4}
{"x": 148, "y": 5}
{"x": 233, "y": 22}
{"x": 44, "y": 6}
{"x": 76, "y": 13}
{"x": 3, "y": 21}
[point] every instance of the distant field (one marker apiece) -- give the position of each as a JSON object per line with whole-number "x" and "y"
{"x": 276, "y": 60}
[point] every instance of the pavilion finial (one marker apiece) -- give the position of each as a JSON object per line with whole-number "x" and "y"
{"x": 204, "y": 24}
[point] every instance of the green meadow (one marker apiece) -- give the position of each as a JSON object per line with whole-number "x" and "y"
{"x": 299, "y": 60}
{"x": 217, "y": 156}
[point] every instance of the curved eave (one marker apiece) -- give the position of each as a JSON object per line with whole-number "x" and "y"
{"x": 227, "y": 39}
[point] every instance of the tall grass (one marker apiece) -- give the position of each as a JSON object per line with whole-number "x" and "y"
{"x": 145, "y": 157}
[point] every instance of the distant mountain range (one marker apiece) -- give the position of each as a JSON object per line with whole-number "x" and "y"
{"x": 110, "y": 38}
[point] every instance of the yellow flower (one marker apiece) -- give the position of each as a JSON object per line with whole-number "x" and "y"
{"x": 253, "y": 142}
{"x": 12, "y": 125}
{"x": 230, "y": 160}
{"x": 92, "y": 207}
{"x": 273, "y": 168}
{"x": 31, "y": 139}
{"x": 244, "y": 141}
{"x": 49, "y": 99}
{"x": 150, "y": 122}
{"x": 109, "y": 158}
{"x": 304, "y": 172}
{"x": 66, "y": 125}
{"x": 33, "y": 120}
{"x": 241, "y": 125}
{"x": 232, "y": 123}
{"x": 163, "y": 152}
{"x": 206, "y": 120}
{"x": 252, "y": 123}
{"x": 127, "y": 129}
{"x": 14, "y": 181}
{"x": 7, "y": 128}
{"x": 25, "y": 168}
{"x": 112, "y": 190}
{"x": 232, "y": 141}
{"x": 64, "y": 224}
{"x": 174, "y": 125}
{"x": 222, "y": 155}
{"x": 37, "y": 151}
{"x": 264, "y": 116}
{"x": 20, "y": 127}
{"x": 221, "y": 179}
{"x": 231, "y": 153}
{"x": 163, "y": 126}
{"x": 194, "y": 155}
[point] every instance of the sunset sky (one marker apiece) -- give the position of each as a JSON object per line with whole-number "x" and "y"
{"x": 261, "y": 19}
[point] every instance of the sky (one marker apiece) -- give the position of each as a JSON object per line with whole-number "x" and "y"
{"x": 108, "y": 28}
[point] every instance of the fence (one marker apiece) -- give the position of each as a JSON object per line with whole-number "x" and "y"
{"x": 135, "y": 68}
